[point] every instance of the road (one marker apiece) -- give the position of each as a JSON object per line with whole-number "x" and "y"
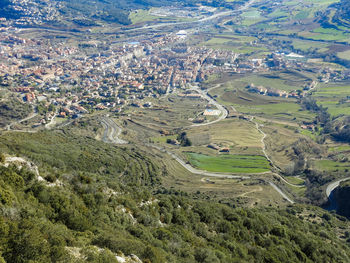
{"x": 52, "y": 122}
{"x": 331, "y": 186}
{"x": 193, "y": 170}
{"x": 205, "y": 95}
{"x": 112, "y": 131}
{"x": 32, "y": 115}
{"x": 281, "y": 193}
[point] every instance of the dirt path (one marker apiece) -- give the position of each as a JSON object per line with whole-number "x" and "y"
{"x": 221, "y": 108}
{"x": 263, "y": 147}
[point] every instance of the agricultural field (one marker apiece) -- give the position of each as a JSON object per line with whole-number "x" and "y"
{"x": 227, "y": 163}
{"x": 248, "y": 193}
{"x": 172, "y": 111}
{"x": 238, "y": 135}
{"x": 332, "y": 166}
{"x": 236, "y": 43}
{"x": 140, "y": 16}
{"x": 234, "y": 94}
{"x": 148, "y": 15}
{"x": 334, "y": 98}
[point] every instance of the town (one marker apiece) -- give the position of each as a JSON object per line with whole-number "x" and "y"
{"x": 70, "y": 81}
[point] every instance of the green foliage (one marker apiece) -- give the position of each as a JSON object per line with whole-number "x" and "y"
{"x": 13, "y": 110}
{"x": 99, "y": 215}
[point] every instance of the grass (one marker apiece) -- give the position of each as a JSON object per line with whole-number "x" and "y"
{"x": 339, "y": 148}
{"x": 227, "y": 163}
{"x": 240, "y": 136}
{"x": 173, "y": 111}
{"x": 287, "y": 81}
{"x": 330, "y": 96}
{"x": 287, "y": 111}
{"x": 344, "y": 55}
{"x": 295, "y": 180}
{"x": 163, "y": 139}
{"x": 329, "y": 165}
{"x": 308, "y": 133}
{"x": 249, "y": 192}
{"x": 140, "y": 16}
{"x": 235, "y": 43}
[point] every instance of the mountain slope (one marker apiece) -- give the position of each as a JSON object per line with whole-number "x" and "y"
{"x": 342, "y": 16}
{"x": 96, "y": 202}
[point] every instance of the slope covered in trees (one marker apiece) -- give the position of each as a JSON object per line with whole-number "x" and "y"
{"x": 99, "y": 200}
{"x": 342, "y": 16}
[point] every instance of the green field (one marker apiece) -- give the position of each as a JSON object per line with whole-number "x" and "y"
{"x": 330, "y": 97}
{"x": 140, "y": 16}
{"x": 329, "y": 165}
{"x": 229, "y": 163}
{"x": 287, "y": 111}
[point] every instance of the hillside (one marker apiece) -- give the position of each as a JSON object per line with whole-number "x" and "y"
{"x": 88, "y": 12}
{"x": 342, "y": 16}
{"x": 341, "y": 197}
{"x": 90, "y": 203}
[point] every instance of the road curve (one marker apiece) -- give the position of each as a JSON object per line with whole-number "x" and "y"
{"x": 221, "y": 108}
{"x": 193, "y": 170}
{"x": 331, "y": 186}
{"x": 112, "y": 131}
{"x": 31, "y": 116}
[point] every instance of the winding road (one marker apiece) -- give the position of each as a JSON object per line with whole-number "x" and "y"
{"x": 331, "y": 186}
{"x": 221, "y": 108}
{"x": 112, "y": 131}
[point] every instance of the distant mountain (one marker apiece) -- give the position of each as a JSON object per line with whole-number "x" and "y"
{"x": 87, "y": 12}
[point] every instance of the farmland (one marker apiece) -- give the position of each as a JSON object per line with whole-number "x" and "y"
{"x": 229, "y": 163}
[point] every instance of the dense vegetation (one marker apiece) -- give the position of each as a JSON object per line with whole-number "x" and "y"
{"x": 7, "y": 11}
{"x": 342, "y": 16}
{"x": 341, "y": 196}
{"x": 13, "y": 110}
{"x": 110, "y": 198}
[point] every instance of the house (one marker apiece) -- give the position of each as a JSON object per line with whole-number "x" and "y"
{"x": 225, "y": 150}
